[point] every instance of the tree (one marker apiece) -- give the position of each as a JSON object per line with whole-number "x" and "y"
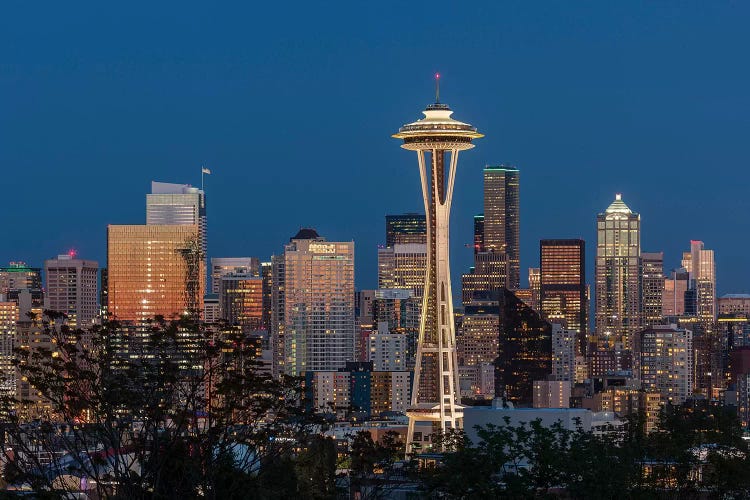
{"x": 165, "y": 409}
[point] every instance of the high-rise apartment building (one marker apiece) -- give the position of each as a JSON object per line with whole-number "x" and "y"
{"x": 72, "y": 289}
{"x": 405, "y": 229}
{"x": 387, "y": 351}
{"x": 502, "y": 217}
{"x": 562, "y": 284}
{"x": 313, "y": 308}
{"x": 652, "y": 281}
{"x": 564, "y": 345}
{"x": 403, "y": 266}
{"x": 663, "y": 358}
{"x": 154, "y": 270}
{"x": 221, "y": 266}
{"x": 618, "y": 272}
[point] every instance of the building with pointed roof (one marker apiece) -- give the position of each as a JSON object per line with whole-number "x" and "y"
{"x": 618, "y": 313}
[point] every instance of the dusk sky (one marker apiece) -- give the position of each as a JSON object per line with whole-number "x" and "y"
{"x": 292, "y": 104}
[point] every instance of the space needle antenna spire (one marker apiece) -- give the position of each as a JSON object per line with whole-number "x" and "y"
{"x": 437, "y": 88}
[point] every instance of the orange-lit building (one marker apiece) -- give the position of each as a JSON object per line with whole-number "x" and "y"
{"x": 154, "y": 270}
{"x": 562, "y": 285}
{"x": 241, "y": 297}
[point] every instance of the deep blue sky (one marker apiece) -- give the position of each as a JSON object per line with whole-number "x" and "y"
{"x": 292, "y": 104}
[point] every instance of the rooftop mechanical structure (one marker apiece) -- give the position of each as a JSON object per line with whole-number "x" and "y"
{"x": 437, "y": 138}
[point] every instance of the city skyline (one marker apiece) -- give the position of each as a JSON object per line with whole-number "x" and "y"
{"x": 661, "y": 104}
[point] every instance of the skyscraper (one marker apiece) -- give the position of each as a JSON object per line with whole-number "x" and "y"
{"x": 675, "y": 287}
{"x": 403, "y": 266}
{"x": 562, "y": 286}
{"x": 437, "y": 139}
{"x": 478, "y": 347}
{"x": 221, "y": 266}
{"x": 405, "y": 229}
{"x": 699, "y": 262}
{"x": 313, "y": 309}
{"x": 177, "y": 204}
{"x": 652, "y": 280}
{"x": 72, "y": 288}
{"x": 154, "y": 270}
{"x": 618, "y": 273}
{"x": 23, "y": 285}
{"x": 489, "y": 274}
{"x": 241, "y": 299}
{"x": 502, "y": 217}
{"x": 663, "y": 356}
{"x": 19, "y": 276}
{"x": 525, "y": 350}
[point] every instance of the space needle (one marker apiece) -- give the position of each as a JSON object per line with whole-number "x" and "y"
{"x": 437, "y": 138}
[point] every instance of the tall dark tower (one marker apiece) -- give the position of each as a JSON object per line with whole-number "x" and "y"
{"x": 437, "y": 138}
{"x": 501, "y": 217}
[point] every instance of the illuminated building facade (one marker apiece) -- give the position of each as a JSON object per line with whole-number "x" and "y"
{"x": 403, "y": 266}
{"x": 19, "y": 276}
{"x": 399, "y": 311}
{"x": 358, "y": 390}
{"x": 22, "y": 284}
{"x": 489, "y": 274}
{"x": 177, "y": 205}
{"x": 437, "y": 139}
{"x": 502, "y": 223}
{"x": 72, "y": 289}
{"x": 699, "y": 262}
{"x": 9, "y": 316}
{"x": 734, "y": 303}
{"x": 154, "y": 270}
{"x": 618, "y": 273}
{"x": 564, "y": 344}
{"x": 266, "y": 273}
{"x": 478, "y": 344}
{"x": 313, "y": 307}
{"x": 405, "y": 229}
{"x": 675, "y": 287}
{"x": 663, "y": 358}
{"x": 652, "y": 280}
{"x": 562, "y": 285}
{"x": 221, "y": 266}
{"x": 241, "y": 298}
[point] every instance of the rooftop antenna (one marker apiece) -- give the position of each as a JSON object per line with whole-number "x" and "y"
{"x": 437, "y": 88}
